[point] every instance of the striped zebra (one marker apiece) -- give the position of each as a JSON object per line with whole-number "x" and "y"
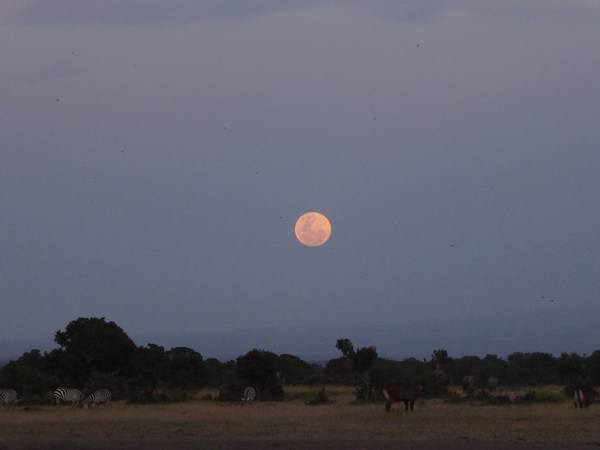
{"x": 99, "y": 397}
{"x": 75, "y": 396}
{"x": 8, "y": 398}
{"x": 249, "y": 395}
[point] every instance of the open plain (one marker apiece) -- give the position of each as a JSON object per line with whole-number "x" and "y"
{"x": 293, "y": 424}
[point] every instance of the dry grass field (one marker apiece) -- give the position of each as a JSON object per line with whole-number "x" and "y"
{"x": 293, "y": 424}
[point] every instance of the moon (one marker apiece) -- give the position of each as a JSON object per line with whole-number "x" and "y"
{"x": 313, "y": 229}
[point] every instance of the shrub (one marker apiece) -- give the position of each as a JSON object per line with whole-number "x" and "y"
{"x": 496, "y": 400}
{"x": 539, "y": 397}
{"x": 454, "y": 398}
{"x": 321, "y": 398}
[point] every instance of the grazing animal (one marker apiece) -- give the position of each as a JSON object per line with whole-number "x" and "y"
{"x": 401, "y": 392}
{"x": 249, "y": 395}
{"x": 75, "y": 396}
{"x": 492, "y": 384}
{"x": 469, "y": 384}
{"x": 582, "y": 398}
{"x": 8, "y": 398}
{"x": 101, "y": 396}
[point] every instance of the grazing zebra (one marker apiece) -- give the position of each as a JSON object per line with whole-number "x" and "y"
{"x": 97, "y": 398}
{"x": 249, "y": 395}
{"x": 8, "y": 398}
{"x": 75, "y": 396}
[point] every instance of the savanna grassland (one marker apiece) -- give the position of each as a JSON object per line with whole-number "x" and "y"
{"x": 294, "y": 424}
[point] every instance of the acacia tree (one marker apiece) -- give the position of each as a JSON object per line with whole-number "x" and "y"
{"x": 363, "y": 360}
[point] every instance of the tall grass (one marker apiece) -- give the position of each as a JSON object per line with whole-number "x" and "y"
{"x": 432, "y": 419}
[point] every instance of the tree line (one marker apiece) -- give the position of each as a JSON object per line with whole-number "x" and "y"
{"x": 93, "y": 352}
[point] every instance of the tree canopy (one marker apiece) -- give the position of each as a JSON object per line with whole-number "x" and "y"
{"x": 98, "y": 345}
{"x": 96, "y": 353}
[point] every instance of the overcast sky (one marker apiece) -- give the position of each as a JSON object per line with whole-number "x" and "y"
{"x": 155, "y": 156}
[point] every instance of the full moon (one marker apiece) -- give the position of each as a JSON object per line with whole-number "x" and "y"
{"x": 313, "y": 229}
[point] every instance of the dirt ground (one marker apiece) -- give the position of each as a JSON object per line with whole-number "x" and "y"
{"x": 292, "y": 425}
{"x": 217, "y": 444}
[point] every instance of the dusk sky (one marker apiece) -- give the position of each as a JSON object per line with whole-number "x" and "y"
{"x": 156, "y": 155}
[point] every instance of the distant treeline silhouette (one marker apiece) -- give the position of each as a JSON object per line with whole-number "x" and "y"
{"x": 95, "y": 353}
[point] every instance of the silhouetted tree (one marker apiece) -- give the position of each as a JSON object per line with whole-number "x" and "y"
{"x": 260, "y": 369}
{"x": 495, "y": 367}
{"x": 440, "y": 359}
{"x": 535, "y": 368}
{"x": 593, "y": 363}
{"x": 409, "y": 370}
{"x": 296, "y": 371}
{"x": 67, "y": 367}
{"x": 459, "y": 368}
{"x": 363, "y": 361}
{"x": 99, "y": 345}
{"x": 185, "y": 369}
{"x": 339, "y": 371}
{"x": 572, "y": 369}
{"x": 27, "y": 375}
{"x": 346, "y": 347}
{"x": 215, "y": 370}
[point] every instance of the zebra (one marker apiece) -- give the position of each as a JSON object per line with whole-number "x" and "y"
{"x": 8, "y": 398}
{"x": 75, "y": 396}
{"x": 249, "y": 395}
{"x": 98, "y": 397}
